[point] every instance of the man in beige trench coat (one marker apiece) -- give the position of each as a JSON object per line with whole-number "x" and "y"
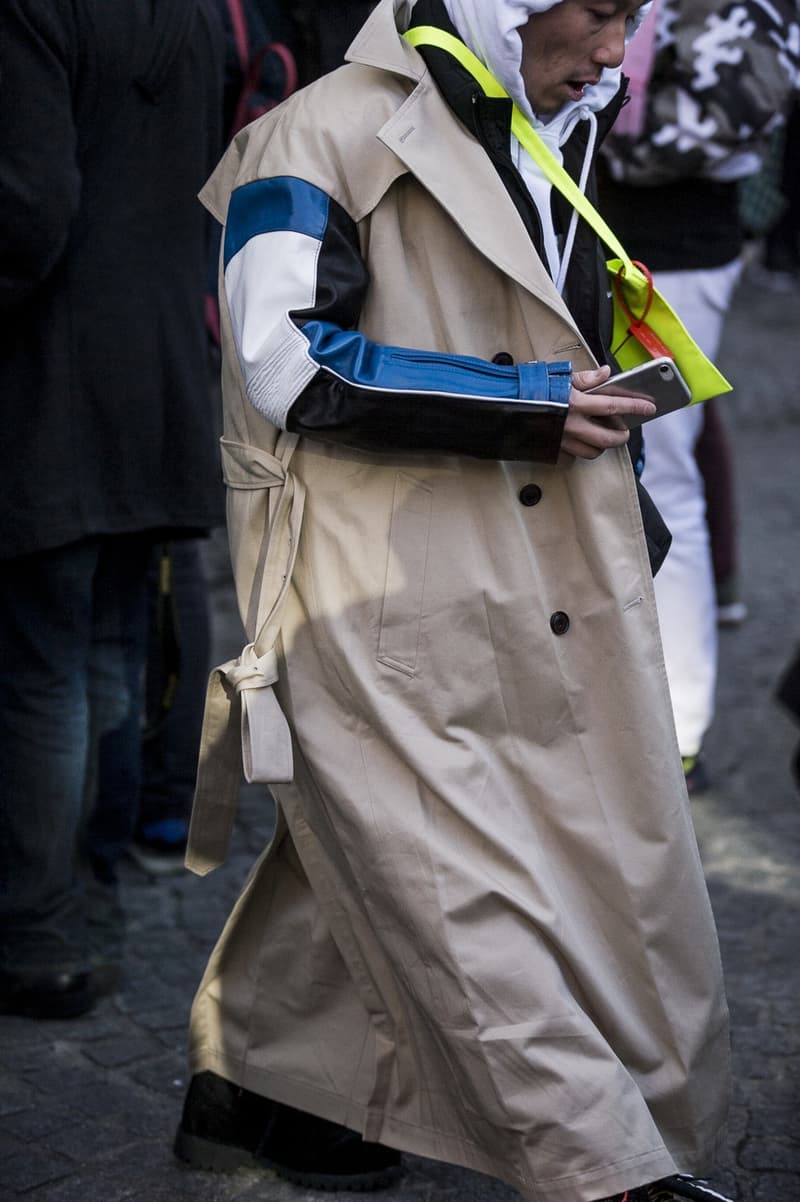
{"x": 481, "y": 931}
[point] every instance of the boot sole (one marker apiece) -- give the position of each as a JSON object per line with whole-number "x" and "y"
{"x": 331, "y": 1183}
{"x": 214, "y": 1157}
{"x": 227, "y": 1158}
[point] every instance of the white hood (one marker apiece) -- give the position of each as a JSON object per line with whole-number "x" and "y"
{"x": 489, "y": 28}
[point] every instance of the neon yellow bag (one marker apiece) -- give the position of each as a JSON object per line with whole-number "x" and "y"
{"x": 644, "y": 324}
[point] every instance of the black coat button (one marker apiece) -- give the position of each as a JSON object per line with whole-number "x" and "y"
{"x": 559, "y": 622}
{"x": 530, "y": 494}
{"x": 503, "y": 359}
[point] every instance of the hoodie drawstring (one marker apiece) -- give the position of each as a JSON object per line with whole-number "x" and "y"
{"x": 585, "y": 114}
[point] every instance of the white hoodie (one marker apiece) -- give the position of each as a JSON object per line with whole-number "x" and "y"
{"x": 490, "y": 29}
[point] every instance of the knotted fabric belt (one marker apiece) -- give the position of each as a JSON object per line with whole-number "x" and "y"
{"x": 244, "y": 728}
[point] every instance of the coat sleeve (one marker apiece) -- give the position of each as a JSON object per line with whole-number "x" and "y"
{"x": 295, "y": 283}
{"x": 39, "y": 176}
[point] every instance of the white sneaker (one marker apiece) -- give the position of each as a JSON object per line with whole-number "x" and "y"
{"x": 732, "y": 614}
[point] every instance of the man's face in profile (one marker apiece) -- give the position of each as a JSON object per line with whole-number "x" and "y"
{"x": 566, "y": 48}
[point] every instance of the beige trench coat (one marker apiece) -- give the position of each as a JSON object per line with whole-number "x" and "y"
{"x": 481, "y": 932}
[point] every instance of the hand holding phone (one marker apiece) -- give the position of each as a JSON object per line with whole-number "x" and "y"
{"x": 595, "y": 424}
{"x": 658, "y": 381}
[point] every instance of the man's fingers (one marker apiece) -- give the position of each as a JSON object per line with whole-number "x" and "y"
{"x": 582, "y": 435}
{"x": 608, "y": 404}
{"x": 593, "y": 404}
{"x": 590, "y": 378}
{"x": 616, "y": 405}
{"x": 581, "y": 450}
{"x": 613, "y": 420}
{"x": 596, "y": 422}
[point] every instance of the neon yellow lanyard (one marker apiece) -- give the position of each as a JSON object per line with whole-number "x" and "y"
{"x": 526, "y": 135}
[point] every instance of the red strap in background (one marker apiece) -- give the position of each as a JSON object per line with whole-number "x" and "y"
{"x": 289, "y": 66}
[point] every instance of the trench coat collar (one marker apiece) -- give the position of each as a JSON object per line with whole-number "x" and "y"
{"x": 447, "y": 159}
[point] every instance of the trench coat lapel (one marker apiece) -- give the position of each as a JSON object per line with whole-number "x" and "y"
{"x": 452, "y": 166}
{"x": 448, "y": 161}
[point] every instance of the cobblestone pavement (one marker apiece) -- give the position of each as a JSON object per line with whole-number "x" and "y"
{"x": 88, "y": 1108}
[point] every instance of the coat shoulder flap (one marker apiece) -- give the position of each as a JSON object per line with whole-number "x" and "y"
{"x": 339, "y": 152}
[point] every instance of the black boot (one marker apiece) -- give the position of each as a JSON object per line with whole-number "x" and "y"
{"x": 673, "y": 1189}
{"x": 225, "y": 1127}
{"x": 56, "y": 995}
{"x": 694, "y": 1189}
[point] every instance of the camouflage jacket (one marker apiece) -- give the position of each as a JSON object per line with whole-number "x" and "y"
{"x": 722, "y": 78}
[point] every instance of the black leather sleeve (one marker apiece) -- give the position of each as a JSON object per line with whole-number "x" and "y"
{"x": 296, "y": 283}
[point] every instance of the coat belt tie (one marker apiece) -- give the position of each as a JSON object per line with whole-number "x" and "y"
{"x": 244, "y": 728}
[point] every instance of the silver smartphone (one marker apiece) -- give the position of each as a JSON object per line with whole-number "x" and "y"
{"x": 658, "y": 381}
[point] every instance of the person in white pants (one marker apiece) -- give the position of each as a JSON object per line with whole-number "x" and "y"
{"x": 685, "y": 593}
{"x": 669, "y": 187}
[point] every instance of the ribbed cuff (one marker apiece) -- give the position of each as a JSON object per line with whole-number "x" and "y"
{"x": 539, "y": 381}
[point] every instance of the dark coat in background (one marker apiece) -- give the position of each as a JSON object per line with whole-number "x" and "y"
{"x": 323, "y": 30}
{"x": 108, "y": 421}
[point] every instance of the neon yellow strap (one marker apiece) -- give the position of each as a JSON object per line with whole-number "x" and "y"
{"x": 429, "y": 35}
